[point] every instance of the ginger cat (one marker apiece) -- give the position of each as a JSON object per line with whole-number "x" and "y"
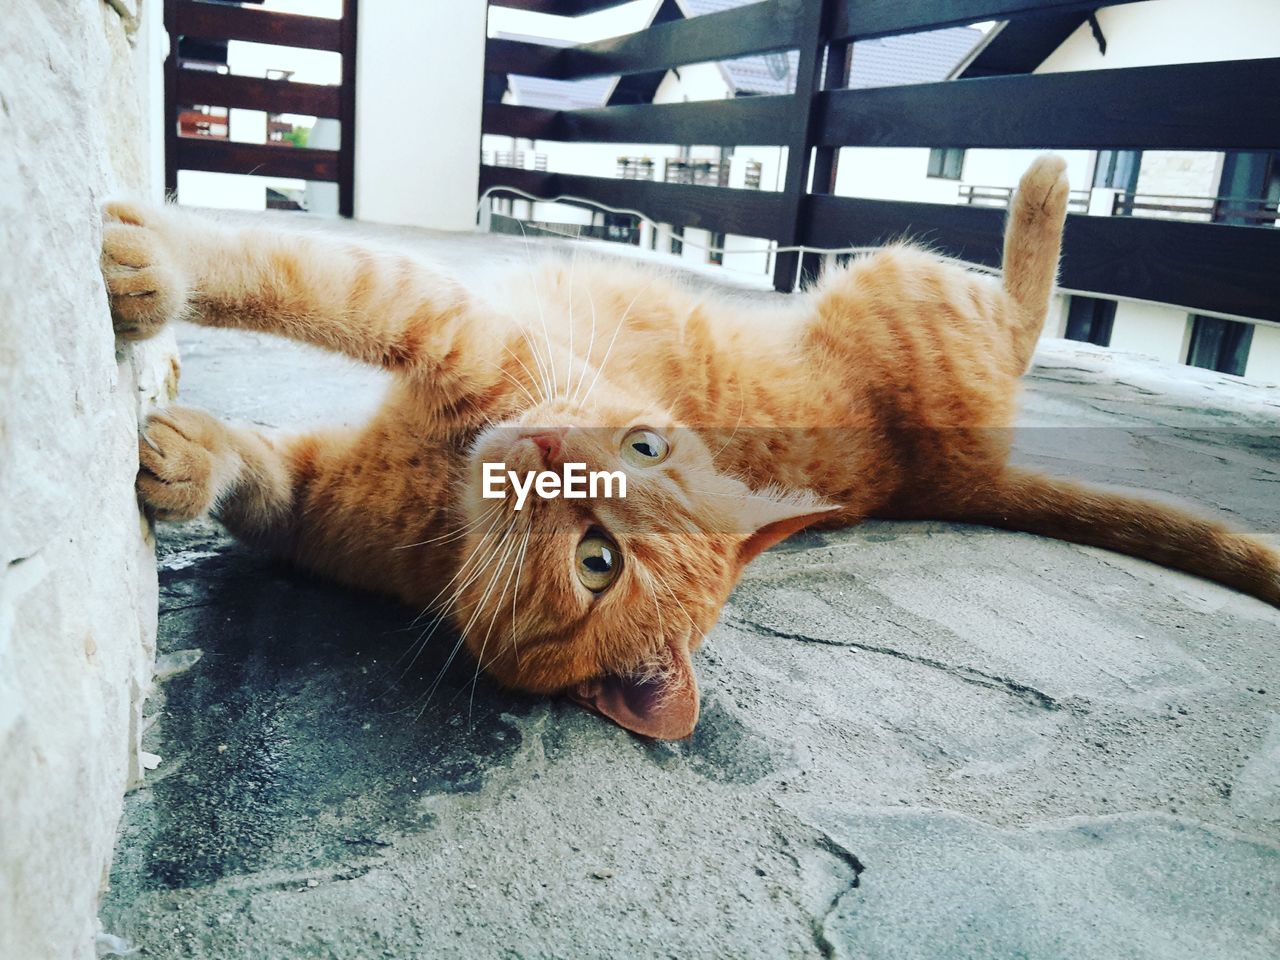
{"x": 886, "y": 391}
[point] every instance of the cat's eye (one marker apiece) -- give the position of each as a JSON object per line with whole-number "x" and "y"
{"x": 643, "y": 447}
{"x": 597, "y": 562}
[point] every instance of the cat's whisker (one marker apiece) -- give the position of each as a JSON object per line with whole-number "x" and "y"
{"x": 517, "y": 384}
{"x": 537, "y": 298}
{"x": 456, "y": 532}
{"x": 742, "y": 408}
{"x": 443, "y": 616}
{"x": 493, "y": 525}
{"x": 616, "y": 330}
{"x": 462, "y": 636}
{"x": 544, "y": 378}
{"x": 657, "y": 611}
{"x": 534, "y": 380}
{"x": 414, "y": 650}
{"x": 573, "y": 266}
{"x": 671, "y": 593}
{"x": 591, "y": 343}
{"x": 484, "y": 644}
{"x": 542, "y": 319}
{"x": 515, "y": 594}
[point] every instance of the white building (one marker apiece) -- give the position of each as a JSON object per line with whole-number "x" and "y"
{"x": 1108, "y": 182}
{"x": 1104, "y": 183}
{"x": 403, "y": 175}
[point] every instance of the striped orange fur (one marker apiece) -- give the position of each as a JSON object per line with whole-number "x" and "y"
{"x": 886, "y": 391}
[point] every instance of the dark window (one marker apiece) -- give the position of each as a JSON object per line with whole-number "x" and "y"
{"x": 1118, "y": 169}
{"x": 946, "y": 163}
{"x": 1090, "y": 319}
{"x": 1250, "y": 187}
{"x": 1221, "y": 345}
{"x": 620, "y": 228}
{"x": 677, "y": 240}
{"x": 716, "y": 253}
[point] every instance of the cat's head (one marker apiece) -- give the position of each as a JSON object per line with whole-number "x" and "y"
{"x": 605, "y": 597}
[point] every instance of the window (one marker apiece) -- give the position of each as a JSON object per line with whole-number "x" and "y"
{"x": 1250, "y": 187}
{"x": 716, "y": 253}
{"x": 677, "y": 240}
{"x": 1090, "y": 319}
{"x": 1221, "y": 345}
{"x": 946, "y": 163}
{"x": 1117, "y": 169}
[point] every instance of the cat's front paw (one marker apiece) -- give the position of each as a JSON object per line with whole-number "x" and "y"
{"x": 145, "y": 280}
{"x": 185, "y": 461}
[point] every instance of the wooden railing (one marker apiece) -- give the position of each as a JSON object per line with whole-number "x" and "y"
{"x": 187, "y": 88}
{"x": 1201, "y": 106}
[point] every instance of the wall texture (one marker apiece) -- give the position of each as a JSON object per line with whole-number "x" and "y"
{"x": 77, "y": 578}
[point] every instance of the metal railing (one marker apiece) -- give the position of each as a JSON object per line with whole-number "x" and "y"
{"x": 1260, "y": 213}
{"x": 975, "y": 195}
{"x": 1198, "y": 106}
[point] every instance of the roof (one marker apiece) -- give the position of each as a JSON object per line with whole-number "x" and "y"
{"x": 556, "y": 94}
{"x": 560, "y": 94}
{"x": 884, "y": 62}
{"x": 911, "y": 58}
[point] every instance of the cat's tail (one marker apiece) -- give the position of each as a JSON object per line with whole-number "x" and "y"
{"x": 1032, "y": 245}
{"x": 1022, "y": 500}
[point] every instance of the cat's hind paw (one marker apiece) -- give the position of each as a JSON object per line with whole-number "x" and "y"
{"x": 185, "y": 462}
{"x": 145, "y": 282}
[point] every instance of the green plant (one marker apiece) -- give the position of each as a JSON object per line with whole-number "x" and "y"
{"x": 297, "y": 136}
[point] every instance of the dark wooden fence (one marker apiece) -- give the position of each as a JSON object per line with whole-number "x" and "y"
{"x": 196, "y": 25}
{"x": 1205, "y": 106}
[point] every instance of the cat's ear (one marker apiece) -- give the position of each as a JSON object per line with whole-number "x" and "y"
{"x": 660, "y": 704}
{"x": 771, "y": 520}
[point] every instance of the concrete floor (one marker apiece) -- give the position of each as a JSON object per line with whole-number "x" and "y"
{"x": 918, "y": 739}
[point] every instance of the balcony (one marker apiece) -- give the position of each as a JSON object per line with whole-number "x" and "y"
{"x": 917, "y": 738}
{"x": 1196, "y": 266}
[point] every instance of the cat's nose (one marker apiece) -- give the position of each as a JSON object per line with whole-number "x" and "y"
{"x": 549, "y": 442}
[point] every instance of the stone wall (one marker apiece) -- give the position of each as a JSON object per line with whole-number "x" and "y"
{"x": 77, "y": 575}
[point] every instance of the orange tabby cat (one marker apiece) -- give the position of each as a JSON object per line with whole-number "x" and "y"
{"x": 884, "y": 392}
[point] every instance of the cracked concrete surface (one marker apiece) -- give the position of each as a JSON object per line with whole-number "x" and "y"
{"x": 918, "y": 739}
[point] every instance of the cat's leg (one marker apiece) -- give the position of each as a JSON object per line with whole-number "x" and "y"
{"x": 386, "y": 309}
{"x": 1018, "y": 499}
{"x": 192, "y": 464}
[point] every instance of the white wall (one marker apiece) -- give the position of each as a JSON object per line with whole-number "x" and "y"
{"x": 901, "y": 173}
{"x": 77, "y": 571}
{"x": 1173, "y": 31}
{"x": 625, "y": 18}
{"x": 695, "y": 81}
{"x": 1151, "y": 329}
{"x": 1264, "y": 354}
{"x": 420, "y": 78}
{"x": 1181, "y": 173}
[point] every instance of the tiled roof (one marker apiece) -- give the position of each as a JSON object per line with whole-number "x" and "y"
{"x": 885, "y": 62}
{"x": 910, "y": 58}
{"x": 561, "y": 94}
{"x": 556, "y": 94}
